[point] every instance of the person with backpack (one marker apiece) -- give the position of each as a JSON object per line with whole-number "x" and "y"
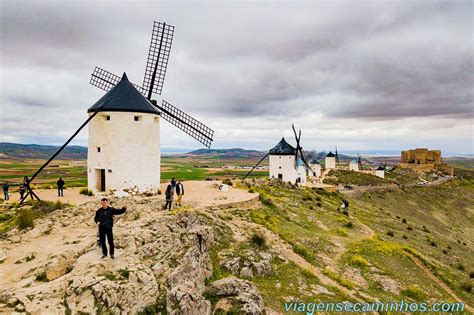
{"x": 104, "y": 217}
{"x": 22, "y": 191}
{"x": 60, "y": 184}
{"x": 169, "y": 197}
{"x": 179, "y": 192}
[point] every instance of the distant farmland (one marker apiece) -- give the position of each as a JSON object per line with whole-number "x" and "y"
{"x": 74, "y": 172}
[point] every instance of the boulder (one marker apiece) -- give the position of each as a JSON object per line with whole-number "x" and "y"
{"x": 240, "y": 293}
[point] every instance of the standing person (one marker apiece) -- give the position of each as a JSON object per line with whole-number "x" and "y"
{"x": 169, "y": 196}
{"x": 60, "y": 184}
{"x": 173, "y": 182}
{"x": 105, "y": 221}
{"x": 179, "y": 192}
{"x": 5, "y": 191}
{"x": 22, "y": 191}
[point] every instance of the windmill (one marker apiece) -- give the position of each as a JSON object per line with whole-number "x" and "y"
{"x": 155, "y": 71}
{"x": 359, "y": 161}
{"x": 286, "y": 150}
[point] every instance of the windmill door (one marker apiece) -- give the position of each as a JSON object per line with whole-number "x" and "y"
{"x": 280, "y": 176}
{"x": 101, "y": 183}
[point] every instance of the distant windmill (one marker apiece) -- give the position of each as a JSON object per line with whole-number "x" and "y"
{"x": 291, "y": 168}
{"x": 128, "y": 100}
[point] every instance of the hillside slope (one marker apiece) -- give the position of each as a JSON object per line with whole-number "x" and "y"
{"x": 295, "y": 244}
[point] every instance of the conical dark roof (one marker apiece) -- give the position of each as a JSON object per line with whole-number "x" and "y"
{"x": 380, "y": 168}
{"x": 330, "y": 154}
{"x": 282, "y": 148}
{"x": 314, "y": 160}
{"x": 123, "y": 97}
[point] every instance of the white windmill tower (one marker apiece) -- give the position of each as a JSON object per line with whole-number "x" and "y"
{"x": 124, "y": 142}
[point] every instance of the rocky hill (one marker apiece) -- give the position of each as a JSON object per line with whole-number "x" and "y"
{"x": 294, "y": 244}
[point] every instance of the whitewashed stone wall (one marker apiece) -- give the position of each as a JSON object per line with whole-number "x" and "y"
{"x": 129, "y": 151}
{"x": 330, "y": 162}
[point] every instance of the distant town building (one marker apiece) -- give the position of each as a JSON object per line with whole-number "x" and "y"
{"x": 424, "y": 160}
{"x": 354, "y": 166}
{"x": 330, "y": 161}
{"x": 283, "y": 164}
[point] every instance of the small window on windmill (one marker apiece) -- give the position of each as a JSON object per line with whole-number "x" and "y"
{"x": 157, "y": 119}
{"x": 106, "y": 117}
{"x": 110, "y": 171}
{"x": 279, "y": 167}
{"x": 137, "y": 118}
{"x": 98, "y": 149}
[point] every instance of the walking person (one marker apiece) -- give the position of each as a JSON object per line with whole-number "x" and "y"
{"x": 105, "y": 221}
{"x": 169, "y": 197}
{"x": 179, "y": 192}
{"x": 5, "y": 191}
{"x": 60, "y": 184}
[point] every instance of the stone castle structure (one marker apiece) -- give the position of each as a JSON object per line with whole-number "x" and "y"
{"x": 424, "y": 160}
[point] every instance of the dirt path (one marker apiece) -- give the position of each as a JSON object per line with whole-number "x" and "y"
{"x": 430, "y": 274}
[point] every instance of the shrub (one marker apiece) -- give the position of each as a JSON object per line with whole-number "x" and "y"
{"x": 390, "y": 233}
{"x": 349, "y": 225}
{"x": 345, "y": 212}
{"x": 359, "y": 261}
{"x": 125, "y": 273}
{"x": 311, "y": 208}
{"x": 227, "y": 181}
{"x": 110, "y": 276}
{"x": 433, "y": 243}
{"x": 258, "y": 239}
{"x": 471, "y": 274}
{"x": 461, "y": 267}
{"x": 405, "y": 237}
{"x": 25, "y": 219}
{"x": 413, "y": 292}
{"x": 302, "y": 251}
{"x": 86, "y": 191}
{"x": 341, "y": 232}
{"x": 445, "y": 251}
{"x": 409, "y": 228}
{"x": 5, "y": 217}
{"x": 466, "y": 286}
{"x": 404, "y": 220}
{"x": 267, "y": 201}
{"x": 318, "y": 198}
{"x": 318, "y": 204}
{"x": 45, "y": 207}
{"x": 251, "y": 190}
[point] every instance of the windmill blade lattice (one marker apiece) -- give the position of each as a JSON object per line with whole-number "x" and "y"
{"x": 186, "y": 123}
{"x": 106, "y": 80}
{"x": 158, "y": 55}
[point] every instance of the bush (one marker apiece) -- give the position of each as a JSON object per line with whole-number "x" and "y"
{"x": 258, "y": 239}
{"x": 471, "y": 274}
{"x": 390, "y": 233}
{"x": 461, "y": 267}
{"x": 25, "y": 219}
{"x": 409, "y": 228}
{"x": 110, "y": 276}
{"x": 414, "y": 293}
{"x": 359, "y": 261}
{"x": 404, "y": 220}
{"x": 433, "y": 243}
{"x": 125, "y": 273}
{"x": 349, "y": 225}
{"x": 267, "y": 201}
{"x": 466, "y": 286}
{"x": 46, "y": 207}
{"x": 227, "y": 181}
{"x": 86, "y": 191}
{"x": 319, "y": 204}
{"x": 251, "y": 190}
{"x": 302, "y": 251}
{"x": 345, "y": 212}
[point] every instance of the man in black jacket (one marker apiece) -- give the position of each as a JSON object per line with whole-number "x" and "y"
{"x": 104, "y": 218}
{"x": 60, "y": 184}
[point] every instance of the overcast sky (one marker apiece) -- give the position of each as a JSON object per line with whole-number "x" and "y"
{"x": 359, "y": 75}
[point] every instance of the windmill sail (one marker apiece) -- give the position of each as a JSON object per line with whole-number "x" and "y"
{"x": 158, "y": 55}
